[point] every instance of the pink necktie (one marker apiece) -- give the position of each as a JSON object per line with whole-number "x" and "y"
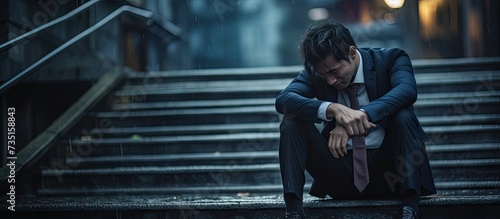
{"x": 361, "y": 178}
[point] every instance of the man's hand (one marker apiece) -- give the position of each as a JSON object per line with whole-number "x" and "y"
{"x": 338, "y": 141}
{"x": 355, "y": 122}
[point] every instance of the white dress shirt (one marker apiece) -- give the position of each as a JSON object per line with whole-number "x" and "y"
{"x": 374, "y": 139}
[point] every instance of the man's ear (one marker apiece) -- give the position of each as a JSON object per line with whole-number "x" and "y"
{"x": 352, "y": 52}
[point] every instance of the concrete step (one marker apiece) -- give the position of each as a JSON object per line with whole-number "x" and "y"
{"x": 434, "y": 149}
{"x": 169, "y": 176}
{"x": 465, "y": 163}
{"x": 202, "y": 92}
{"x": 229, "y": 83}
{"x": 433, "y": 82}
{"x": 427, "y": 104}
{"x": 216, "y": 158}
{"x": 458, "y": 95}
{"x": 443, "y": 119}
{"x": 203, "y": 129}
{"x": 268, "y": 135}
{"x": 457, "y": 188}
{"x": 460, "y": 134}
{"x": 486, "y": 105}
{"x": 184, "y": 129}
{"x": 233, "y": 114}
{"x": 482, "y": 187}
{"x": 195, "y": 104}
{"x": 240, "y": 139}
{"x": 457, "y": 103}
{"x": 181, "y": 120}
{"x": 435, "y": 152}
{"x": 198, "y": 191}
{"x": 262, "y": 136}
{"x": 458, "y": 64}
{"x": 463, "y": 151}
{"x": 95, "y": 148}
{"x": 253, "y": 114}
{"x": 234, "y": 174}
{"x": 463, "y": 119}
{"x": 186, "y": 112}
{"x": 457, "y": 77}
{"x": 150, "y": 78}
{"x": 239, "y": 142}
{"x": 468, "y": 173}
{"x": 271, "y": 206}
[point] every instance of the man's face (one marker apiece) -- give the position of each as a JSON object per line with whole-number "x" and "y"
{"x": 338, "y": 74}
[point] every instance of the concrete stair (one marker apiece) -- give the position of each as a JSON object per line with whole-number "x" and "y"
{"x": 213, "y": 135}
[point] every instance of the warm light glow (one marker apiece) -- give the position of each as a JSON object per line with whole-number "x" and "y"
{"x": 427, "y": 15}
{"x": 438, "y": 19}
{"x": 427, "y": 10}
{"x": 317, "y": 14}
{"x": 395, "y": 4}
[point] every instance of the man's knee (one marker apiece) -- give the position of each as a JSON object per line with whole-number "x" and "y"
{"x": 403, "y": 130}
{"x": 291, "y": 124}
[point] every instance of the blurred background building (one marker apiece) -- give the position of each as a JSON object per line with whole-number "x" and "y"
{"x": 232, "y": 33}
{"x": 237, "y": 33}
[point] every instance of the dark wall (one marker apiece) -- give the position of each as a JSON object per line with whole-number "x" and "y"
{"x": 38, "y": 105}
{"x": 4, "y": 17}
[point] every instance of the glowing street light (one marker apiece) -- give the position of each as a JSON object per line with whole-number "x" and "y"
{"x": 317, "y": 14}
{"x": 395, "y": 4}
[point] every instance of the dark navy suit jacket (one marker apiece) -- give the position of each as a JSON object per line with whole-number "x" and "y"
{"x": 390, "y": 84}
{"x": 389, "y": 81}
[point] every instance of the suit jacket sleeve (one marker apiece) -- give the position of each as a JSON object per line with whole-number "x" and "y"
{"x": 403, "y": 87}
{"x": 297, "y": 99}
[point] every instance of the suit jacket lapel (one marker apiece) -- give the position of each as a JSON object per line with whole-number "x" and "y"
{"x": 370, "y": 75}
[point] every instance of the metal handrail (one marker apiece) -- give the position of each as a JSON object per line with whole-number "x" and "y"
{"x": 18, "y": 39}
{"x": 126, "y": 8}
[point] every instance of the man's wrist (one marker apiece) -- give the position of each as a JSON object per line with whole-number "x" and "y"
{"x": 331, "y": 111}
{"x": 368, "y": 117}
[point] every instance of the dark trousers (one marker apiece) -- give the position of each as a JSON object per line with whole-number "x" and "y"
{"x": 399, "y": 164}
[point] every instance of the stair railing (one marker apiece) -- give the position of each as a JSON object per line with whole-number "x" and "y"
{"x": 150, "y": 17}
{"x": 29, "y": 34}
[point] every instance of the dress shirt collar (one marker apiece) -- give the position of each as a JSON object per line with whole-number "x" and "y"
{"x": 360, "y": 77}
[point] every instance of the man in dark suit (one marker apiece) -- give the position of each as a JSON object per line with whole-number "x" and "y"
{"x": 372, "y": 145}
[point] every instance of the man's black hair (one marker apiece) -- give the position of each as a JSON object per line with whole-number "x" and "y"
{"x": 324, "y": 38}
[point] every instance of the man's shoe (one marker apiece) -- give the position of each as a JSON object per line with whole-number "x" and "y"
{"x": 409, "y": 213}
{"x": 292, "y": 215}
